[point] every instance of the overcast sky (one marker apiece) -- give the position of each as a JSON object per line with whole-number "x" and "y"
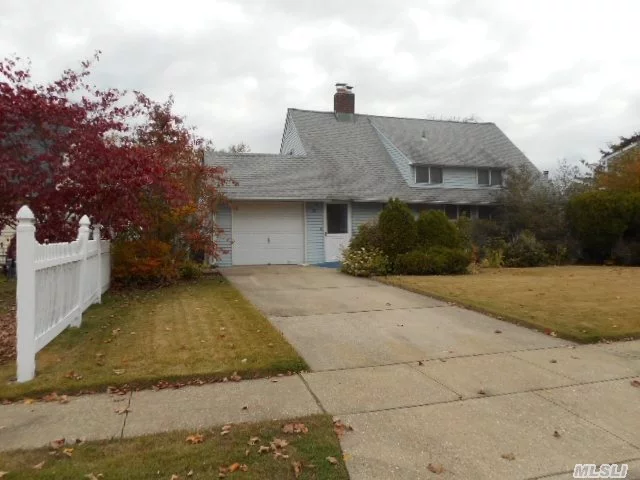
{"x": 560, "y": 77}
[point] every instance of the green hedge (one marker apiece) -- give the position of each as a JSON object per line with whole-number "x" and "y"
{"x": 600, "y": 219}
{"x": 433, "y": 261}
{"x": 397, "y": 227}
{"x": 436, "y": 230}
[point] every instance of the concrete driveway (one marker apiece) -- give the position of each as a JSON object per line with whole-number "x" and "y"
{"x": 424, "y": 382}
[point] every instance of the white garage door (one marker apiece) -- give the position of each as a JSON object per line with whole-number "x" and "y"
{"x": 268, "y": 233}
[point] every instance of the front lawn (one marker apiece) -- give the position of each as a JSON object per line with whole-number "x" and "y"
{"x": 170, "y": 456}
{"x": 585, "y": 304}
{"x": 199, "y": 330}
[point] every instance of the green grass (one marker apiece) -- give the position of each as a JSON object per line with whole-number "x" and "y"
{"x": 163, "y": 455}
{"x": 200, "y": 330}
{"x": 580, "y": 303}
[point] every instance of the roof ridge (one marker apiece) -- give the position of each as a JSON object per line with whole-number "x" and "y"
{"x": 397, "y": 118}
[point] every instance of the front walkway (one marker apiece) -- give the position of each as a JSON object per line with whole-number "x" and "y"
{"x": 421, "y": 382}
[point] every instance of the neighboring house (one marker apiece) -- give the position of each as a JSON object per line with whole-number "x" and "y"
{"x": 607, "y": 159}
{"x": 6, "y": 235}
{"x": 336, "y": 170}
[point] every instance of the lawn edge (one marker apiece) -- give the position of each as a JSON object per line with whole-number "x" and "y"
{"x": 174, "y": 381}
{"x": 469, "y": 305}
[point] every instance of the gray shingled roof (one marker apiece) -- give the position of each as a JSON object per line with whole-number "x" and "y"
{"x": 347, "y": 160}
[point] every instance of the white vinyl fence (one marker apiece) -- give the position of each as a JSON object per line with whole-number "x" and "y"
{"x": 56, "y": 283}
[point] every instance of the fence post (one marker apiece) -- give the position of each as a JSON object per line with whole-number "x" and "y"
{"x": 83, "y": 237}
{"x": 26, "y": 294}
{"x": 97, "y": 231}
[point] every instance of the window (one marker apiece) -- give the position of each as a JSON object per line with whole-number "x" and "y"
{"x": 436, "y": 175}
{"x": 483, "y": 176}
{"x": 337, "y": 218}
{"x": 451, "y": 211}
{"x": 428, "y": 174}
{"x": 422, "y": 174}
{"x": 489, "y": 176}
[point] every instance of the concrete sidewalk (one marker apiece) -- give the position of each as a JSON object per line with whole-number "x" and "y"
{"x": 95, "y": 416}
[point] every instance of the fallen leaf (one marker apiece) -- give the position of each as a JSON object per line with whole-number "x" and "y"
{"x": 497, "y": 331}
{"x": 245, "y": 407}
{"x": 56, "y": 444}
{"x": 420, "y": 363}
{"x": 175, "y": 477}
{"x": 63, "y": 399}
{"x": 508, "y": 456}
{"x": 264, "y": 449}
{"x": 2, "y": 474}
{"x": 481, "y": 392}
{"x": 436, "y": 468}
{"x": 91, "y": 476}
{"x": 277, "y": 455}
{"x": 73, "y": 375}
{"x": 244, "y": 360}
{"x": 297, "y": 468}
{"x": 635, "y": 383}
{"x": 195, "y": 438}
{"x": 68, "y": 452}
{"x": 295, "y": 428}
{"x": 122, "y": 410}
{"x": 332, "y": 460}
{"x": 556, "y": 433}
{"x": 38, "y": 466}
{"x": 234, "y": 467}
{"x": 235, "y": 377}
{"x": 116, "y": 331}
{"x": 274, "y": 380}
{"x": 340, "y": 428}
{"x": 29, "y": 401}
{"x": 190, "y": 473}
{"x": 553, "y": 360}
{"x": 279, "y": 443}
{"x": 253, "y": 441}
{"x": 118, "y": 371}
{"x": 247, "y": 452}
{"x": 244, "y": 468}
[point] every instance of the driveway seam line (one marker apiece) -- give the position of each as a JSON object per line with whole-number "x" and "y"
{"x": 126, "y": 415}
{"x": 415, "y": 367}
{"x": 438, "y": 359}
{"x": 480, "y": 397}
{"x": 550, "y": 475}
{"x": 313, "y": 394}
{"x": 357, "y": 311}
{"x": 564, "y": 407}
{"x": 543, "y": 368}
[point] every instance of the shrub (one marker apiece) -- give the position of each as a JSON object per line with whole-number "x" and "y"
{"x": 144, "y": 263}
{"x": 525, "y": 251}
{"x": 368, "y": 236}
{"x": 190, "y": 270}
{"x": 436, "y": 230}
{"x": 627, "y": 252}
{"x": 493, "y": 252}
{"x": 363, "y": 262}
{"x": 434, "y": 261}
{"x": 397, "y": 228}
{"x": 600, "y": 218}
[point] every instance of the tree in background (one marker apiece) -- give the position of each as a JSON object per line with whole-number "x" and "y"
{"x": 239, "y": 148}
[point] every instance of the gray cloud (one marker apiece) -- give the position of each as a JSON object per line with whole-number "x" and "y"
{"x": 552, "y": 75}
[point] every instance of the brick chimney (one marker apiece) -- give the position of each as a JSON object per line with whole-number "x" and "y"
{"x": 344, "y": 101}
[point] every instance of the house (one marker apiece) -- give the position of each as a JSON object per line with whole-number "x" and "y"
{"x": 6, "y": 234}
{"x": 336, "y": 170}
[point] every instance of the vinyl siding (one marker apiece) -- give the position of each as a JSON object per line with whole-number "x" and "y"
{"x": 314, "y": 232}
{"x": 223, "y": 219}
{"x": 363, "y": 213}
{"x": 291, "y": 143}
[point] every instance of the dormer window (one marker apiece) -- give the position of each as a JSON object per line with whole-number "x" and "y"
{"x": 428, "y": 175}
{"x": 489, "y": 176}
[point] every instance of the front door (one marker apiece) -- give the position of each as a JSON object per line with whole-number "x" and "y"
{"x": 337, "y": 230}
